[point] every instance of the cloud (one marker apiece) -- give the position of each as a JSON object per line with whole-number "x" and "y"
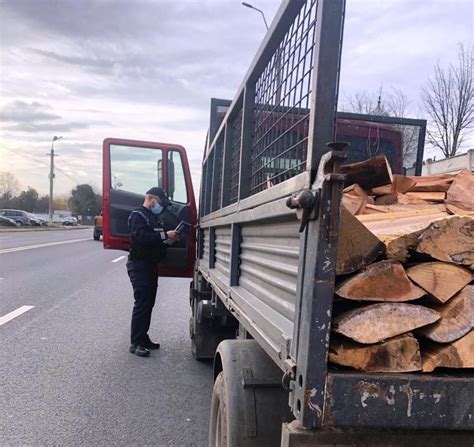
{"x": 21, "y": 111}
{"x": 47, "y": 127}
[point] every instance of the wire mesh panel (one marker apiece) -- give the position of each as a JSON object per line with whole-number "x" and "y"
{"x": 217, "y": 177}
{"x": 282, "y": 105}
{"x": 207, "y": 190}
{"x": 236, "y": 136}
{"x": 401, "y": 140}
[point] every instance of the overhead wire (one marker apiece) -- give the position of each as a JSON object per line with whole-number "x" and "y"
{"x": 43, "y": 163}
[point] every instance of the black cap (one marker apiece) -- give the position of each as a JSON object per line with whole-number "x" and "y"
{"x": 158, "y": 192}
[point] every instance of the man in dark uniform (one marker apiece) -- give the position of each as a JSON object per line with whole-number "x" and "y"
{"x": 148, "y": 242}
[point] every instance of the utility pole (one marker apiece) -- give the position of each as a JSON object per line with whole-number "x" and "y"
{"x": 51, "y": 178}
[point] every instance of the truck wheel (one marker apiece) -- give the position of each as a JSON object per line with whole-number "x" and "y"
{"x": 96, "y": 236}
{"x": 218, "y": 423}
{"x": 248, "y": 403}
{"x": 206, "y": 333}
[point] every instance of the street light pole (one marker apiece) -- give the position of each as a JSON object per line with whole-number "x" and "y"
{"x": 277, "y": 57}
{"x": 248, "y": 5}
{"x": 51, "y": 178}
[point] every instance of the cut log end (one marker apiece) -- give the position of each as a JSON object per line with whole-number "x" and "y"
{"x": 396, "y": 355}
{"x": 459, "y": 354}
{"x": 378, "y": 322}
{"x": 382, "y": 281}
{"x": 457, "y": 318}
{"x": 441, "y": 280}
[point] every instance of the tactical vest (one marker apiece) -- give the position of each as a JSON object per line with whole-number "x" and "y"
{"x": 152, "y": 253}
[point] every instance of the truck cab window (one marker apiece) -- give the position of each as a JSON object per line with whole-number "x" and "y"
{"x": 176, "y": 187}
{"x": 135, "y": 169}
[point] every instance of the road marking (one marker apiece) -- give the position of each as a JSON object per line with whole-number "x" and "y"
{"x": 48, "y": 244}
{"x": 16, "y": 313}
{"x": 119, "y": 258}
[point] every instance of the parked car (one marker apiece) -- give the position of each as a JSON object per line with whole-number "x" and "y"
{"x": 7, "y": 222}
{"x": 19, "y": 216}
{"x": 69, "y": 220}
{"x": 34, "y": 220}
{"x": 98, "y": 227}
{"x": 44, "y": 222}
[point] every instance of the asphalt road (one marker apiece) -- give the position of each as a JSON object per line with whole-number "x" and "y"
{"x": 66, "y": 377}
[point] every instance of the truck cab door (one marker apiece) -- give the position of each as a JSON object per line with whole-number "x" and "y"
{"x": 129, "y": 169}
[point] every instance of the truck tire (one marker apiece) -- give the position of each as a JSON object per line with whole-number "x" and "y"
{"x": 248, "y": 403}
{"x": 218, "y": 423}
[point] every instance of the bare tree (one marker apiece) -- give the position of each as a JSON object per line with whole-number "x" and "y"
{"x": 448, "y": 98}
{"x": 9, "y": 185}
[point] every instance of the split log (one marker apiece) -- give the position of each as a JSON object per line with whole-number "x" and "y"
{"x": 434, "y": 196}
{"x": 396, "y": 355}
{"x": 450, "y": 239}
{"x": 404, "y": 199}
{"x": 461, "y": 192}
{"x": 381, "y": 190}
{"x": 386, "y": 199}
{"x": 430, "y": 183}
{"x": 374, "y": 209}
{"x": 357, "y": 246}
{"x": 399, "y": 208}
{"x": 402, "y": 183}
{"x": 452, "y": 209}
{"x": 442, "y": 280}
{"x": 356, "y": 190}
{"x": 369, "y": 173}
{"x": 353, "y": 204}
{"x": 378, "y": 322}
{"x": 457, "y": 318}
{"x": 400, "y": 231}
{"x": 459, "y": 354}
{"x": 382, "y": 281}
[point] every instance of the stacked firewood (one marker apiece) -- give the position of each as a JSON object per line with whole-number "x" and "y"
{"x": 404, "y": 291}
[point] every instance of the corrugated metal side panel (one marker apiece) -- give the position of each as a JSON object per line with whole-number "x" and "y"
{"x": 268, "y": 276}
{"x": 205, "y": 254}
{"x": 223, "y": 246}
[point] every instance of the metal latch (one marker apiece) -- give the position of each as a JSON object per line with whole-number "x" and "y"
{"x": 306, "y": 204}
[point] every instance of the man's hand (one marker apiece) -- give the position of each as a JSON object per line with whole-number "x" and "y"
{"x": 172, "y": 234}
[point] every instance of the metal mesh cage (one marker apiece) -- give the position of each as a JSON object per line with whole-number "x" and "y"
{"x": 236, "y": 136}
{"x": 282, "y": 105}
{"x": 217, "y": 178}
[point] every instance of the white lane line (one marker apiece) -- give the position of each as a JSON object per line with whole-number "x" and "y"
{"x": 119, "y": 258}
{"x": 17, "y": 312}
{"x": 48, "y": 244}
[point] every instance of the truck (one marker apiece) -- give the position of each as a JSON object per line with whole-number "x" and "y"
{"x": 262, "y": 256}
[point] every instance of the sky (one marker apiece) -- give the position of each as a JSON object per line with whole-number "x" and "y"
{"x": 146, "y": 70}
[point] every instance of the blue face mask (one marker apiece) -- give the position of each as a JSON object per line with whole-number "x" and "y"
{"x": 156, "y": 208}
